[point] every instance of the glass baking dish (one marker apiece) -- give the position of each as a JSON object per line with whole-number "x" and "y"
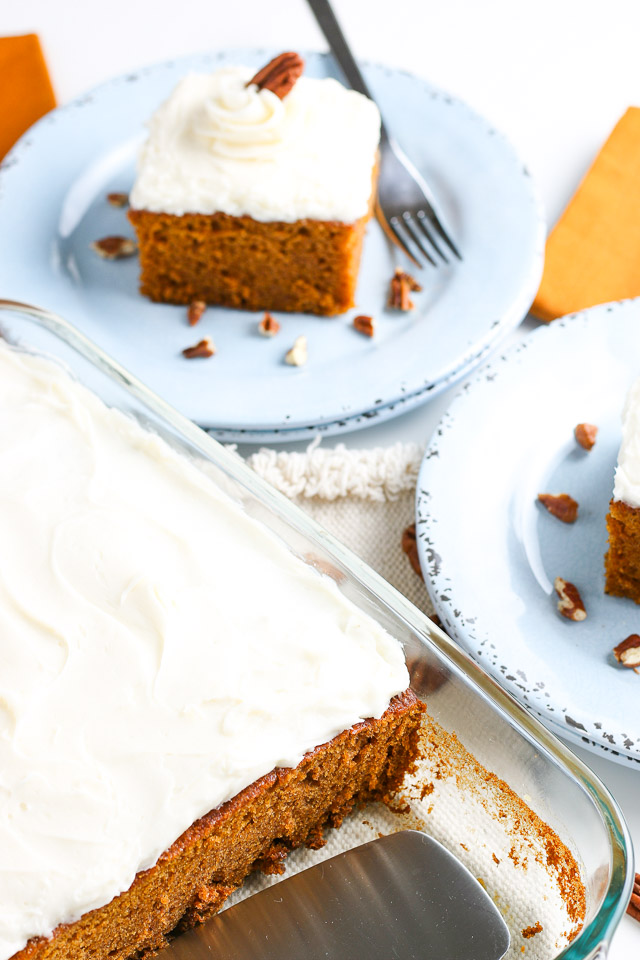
{"x": 461, "y": 698}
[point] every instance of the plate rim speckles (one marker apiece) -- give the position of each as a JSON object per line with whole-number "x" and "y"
{"x": 415, "y": 363}
{"x": 575, "y": 698}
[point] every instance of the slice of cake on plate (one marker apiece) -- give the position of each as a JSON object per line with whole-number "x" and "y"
{"x": 254, "y": 190}
{"x": 182, "y": 700}
{"x": 622, "y": 561}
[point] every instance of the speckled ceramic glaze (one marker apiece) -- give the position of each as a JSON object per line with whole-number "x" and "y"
{"x": 491, "y": 552}
{"x": 52, "y": 205}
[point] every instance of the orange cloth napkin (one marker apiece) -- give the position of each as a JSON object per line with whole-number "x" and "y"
{"x": 593, "y": 252}
{"x": 25, "y": 88}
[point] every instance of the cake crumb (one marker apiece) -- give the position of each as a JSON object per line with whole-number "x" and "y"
{"x": 529, "y": 932}
{"x": 585, "y": 434}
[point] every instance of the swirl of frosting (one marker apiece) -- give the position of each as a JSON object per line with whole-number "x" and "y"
{"x": 240, "y": 121}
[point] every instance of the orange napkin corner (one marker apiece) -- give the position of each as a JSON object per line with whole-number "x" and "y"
{"x": 25, "y": 88}
{"x": 593, "y": 252}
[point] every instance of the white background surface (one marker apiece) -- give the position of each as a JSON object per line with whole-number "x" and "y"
{"x": 554, "y": 75}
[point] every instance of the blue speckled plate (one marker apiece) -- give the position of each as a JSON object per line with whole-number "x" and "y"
{"x": 490, "y": 552}
{"x": 52, "y": 205}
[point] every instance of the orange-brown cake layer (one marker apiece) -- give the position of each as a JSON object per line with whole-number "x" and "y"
{"x": 309, "y": 266}
{"x": 254, "y": 830}
{"x": 622, "y": 560}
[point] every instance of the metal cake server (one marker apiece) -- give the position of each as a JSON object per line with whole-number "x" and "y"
{"x": 403, "y": 896}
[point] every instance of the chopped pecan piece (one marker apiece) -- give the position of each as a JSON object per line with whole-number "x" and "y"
{"x": 297, "y": 355}
{"x": 268, "y": 326}
{"x": 560, "y": 505}
{"x": 570, "y": 604}
{"x": 402, "y": 284}
{"x": 410, "y": 547}
{"x": 118, "y": 199}
{"x": 628, "y": 652}
{"x": 280, "y": 74}
{"x": 364, "y": 325}
{"x": 195, "y": 311}
{"x": 204, "y": 348}
{"x": 585, "y": 434}
{"x": 634, "y": 904}
{"x": 114, "y": 248}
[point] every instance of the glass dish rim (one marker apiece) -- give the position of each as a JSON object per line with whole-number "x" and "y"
{"x": 594, "y": 938}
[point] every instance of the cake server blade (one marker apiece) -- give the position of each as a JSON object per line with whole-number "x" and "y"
{"x": 403, "y": 896}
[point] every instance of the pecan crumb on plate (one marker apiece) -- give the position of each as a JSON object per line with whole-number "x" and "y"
{"x": 204, "y": 348}
{"x": 114, "y": 248}
{"x": 560, "y": 505}
{"x": 570, "y": 604}
{"x": 585, "y": 434}
{"x": 627, "y": 652}
{"x": 402, "y": 284}
{"x": 365, "y": 325}
{"x": 195, "y": 311}
{"x": 268, "y": 326}
{"x": 297, "y": 355}
{"x": 118, "y": 199}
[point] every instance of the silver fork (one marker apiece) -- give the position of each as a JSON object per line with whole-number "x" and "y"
{"x": 405, "y": 206}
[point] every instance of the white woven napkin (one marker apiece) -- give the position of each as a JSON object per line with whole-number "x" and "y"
{"x": 364, "y": 497}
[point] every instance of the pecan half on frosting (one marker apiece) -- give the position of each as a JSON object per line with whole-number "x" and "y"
{"x": 280, "y": 74}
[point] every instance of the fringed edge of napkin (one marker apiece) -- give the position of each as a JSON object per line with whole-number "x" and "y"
{"x": 377, "y": 474}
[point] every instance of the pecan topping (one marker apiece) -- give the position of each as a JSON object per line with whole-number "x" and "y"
{"x": 410, "y": 547}
{"x": 195, "y": 311}
{"x": 634, "y": 904}
{"x": 570, "y": 604}
{"x": 628, "y": 652}
{"x": 268, "y": 326}
{"x": 560, "y": 505}
{"x": 114, "y": 248}
{"x": 280, "y": 74}
{"x": 118, "y": 199}
{"x": 297, "y": 356}
{"x": 585, "y": 434}
{"x": 364, "y": 325}
{"x": 204, "y": 348}
{"x": 402, "y": 284}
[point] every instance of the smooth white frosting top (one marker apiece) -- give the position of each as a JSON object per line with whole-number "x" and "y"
{"x": 217, "y": 145}
{"x": 159, "y": 650}
{"x": 627, "y": 479}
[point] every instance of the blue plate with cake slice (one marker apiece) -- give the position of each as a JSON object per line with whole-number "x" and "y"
{"x": 493, "y": 553}
{"x": 54, "y": 208}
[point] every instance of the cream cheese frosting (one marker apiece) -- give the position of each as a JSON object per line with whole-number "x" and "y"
{"x": 218, "y": 145}
{"x": 160, "y": 650}
{"x": 627, "y": 478}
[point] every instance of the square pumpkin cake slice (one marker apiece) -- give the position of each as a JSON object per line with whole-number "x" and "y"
{"x": 254, "y": 190}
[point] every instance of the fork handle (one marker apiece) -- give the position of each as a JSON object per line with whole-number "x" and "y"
{"x": 339, "y": 47}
